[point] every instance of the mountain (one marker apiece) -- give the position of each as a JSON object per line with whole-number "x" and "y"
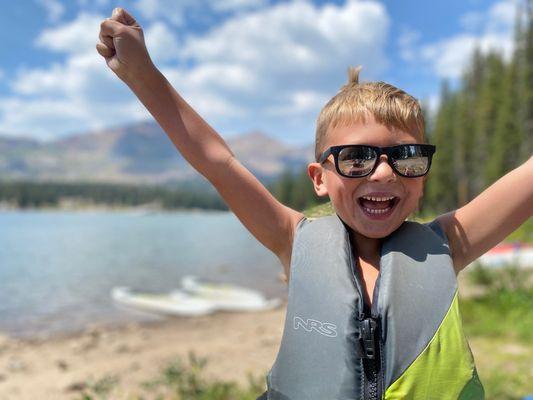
{"x": 137, "y": 154}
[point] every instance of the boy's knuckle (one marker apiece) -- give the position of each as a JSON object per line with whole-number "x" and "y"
{"x": 121, "y": 31}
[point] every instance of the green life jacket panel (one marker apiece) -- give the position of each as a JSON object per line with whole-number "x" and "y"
{"x": 409, "y": 345}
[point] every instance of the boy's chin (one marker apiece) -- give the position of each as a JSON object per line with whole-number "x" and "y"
{"x": 376, "y": 230}
{"x": 375, "y": 234}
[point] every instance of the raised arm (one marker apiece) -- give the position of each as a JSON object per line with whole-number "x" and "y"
{"x": 489, "y": 218}
{"x": 272, "y": 223}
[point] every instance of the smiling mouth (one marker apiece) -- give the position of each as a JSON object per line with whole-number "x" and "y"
{"x": 378, "y": 206}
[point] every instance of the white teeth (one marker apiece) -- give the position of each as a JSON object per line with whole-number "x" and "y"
{"x": 378, "y": 198}
{"x": 377, "y": 211}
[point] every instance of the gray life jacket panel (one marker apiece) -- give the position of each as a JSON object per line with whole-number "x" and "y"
{"x": 325, "y": 347}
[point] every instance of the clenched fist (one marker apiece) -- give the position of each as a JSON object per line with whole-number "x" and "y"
{"x": 123, "y": 47}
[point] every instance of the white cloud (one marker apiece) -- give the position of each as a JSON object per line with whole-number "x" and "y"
{"x": 501, "y": 17}
{"x": 178, "y": 12}
{"x": 433, "y": 103}
{"x": 47, "y": 118}
{"x": 407, "y": 41}
{"x": 236, "y": 5}
{"x": 301, "y": 42}
{"x": 449, "y": 57}
{"x": 82, "y": 76}
{"x": 54, "y": 9}
{"x": 162, "y": 43}
{"x": 472, "y": 21}
{"x": 99, "y": 3}
{"x": 168, "y": 10}
{"x": 79, "y": 94}
{"x": 255, "y": 67}
{"x": 300, "y": 102}
{"x": 287, "y": 68}
{"x": 78, "y": 36}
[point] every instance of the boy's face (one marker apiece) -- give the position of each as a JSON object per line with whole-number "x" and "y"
{"x": 346, "y": 193}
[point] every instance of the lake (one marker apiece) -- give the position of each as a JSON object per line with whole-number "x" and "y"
{"x": 57, "y": 268}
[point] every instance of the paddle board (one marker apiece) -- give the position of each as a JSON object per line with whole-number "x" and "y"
{"x": 173, "y": 303}
{"x": 196, "y": 297}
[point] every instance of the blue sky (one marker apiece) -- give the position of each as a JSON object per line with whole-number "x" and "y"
{"x": 245, "y": 65}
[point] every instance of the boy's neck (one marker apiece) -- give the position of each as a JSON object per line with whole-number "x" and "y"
{"x": 367, "y": 248}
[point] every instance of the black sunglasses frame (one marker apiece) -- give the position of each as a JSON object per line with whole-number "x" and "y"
{"x": 426, "y": 150}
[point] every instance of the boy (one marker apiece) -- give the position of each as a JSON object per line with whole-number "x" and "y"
{"x": 372, "y": 309}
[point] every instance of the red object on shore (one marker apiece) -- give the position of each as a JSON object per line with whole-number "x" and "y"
{"x": 505, "y": 247}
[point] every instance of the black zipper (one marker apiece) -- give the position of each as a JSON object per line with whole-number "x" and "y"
{"x": 371, "y": 348}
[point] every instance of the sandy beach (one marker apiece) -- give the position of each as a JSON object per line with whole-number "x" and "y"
{"x": 236, "y": 344}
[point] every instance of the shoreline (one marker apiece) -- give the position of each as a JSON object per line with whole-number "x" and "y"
{"x": 236, "y": 346}
{"x": 60, "y": 366}
{"x": 108, "y": 208}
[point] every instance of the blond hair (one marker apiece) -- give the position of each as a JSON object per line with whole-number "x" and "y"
{"x": 389, "y": 105}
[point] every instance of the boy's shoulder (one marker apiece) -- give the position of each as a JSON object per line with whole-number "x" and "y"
{"x": 436, "y": 227}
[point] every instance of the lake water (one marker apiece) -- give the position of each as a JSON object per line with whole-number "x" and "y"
{"x": 57, "y": 268}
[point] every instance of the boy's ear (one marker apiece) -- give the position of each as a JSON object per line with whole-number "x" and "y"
{"x": 316, "y": 172}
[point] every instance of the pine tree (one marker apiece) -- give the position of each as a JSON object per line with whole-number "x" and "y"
{"x": 485, "y": 128}
{"x": 525, "y": 62}
{"x": 441, "y": 190}
{"x": 473, "y": 84}
{"x": 489, "y": 101}
{"x": 284, "y": 187}
{"x": 510, "y": 145}
{"x": 505, "y": 143}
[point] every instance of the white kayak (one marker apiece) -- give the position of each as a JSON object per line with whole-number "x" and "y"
{"x": 196, "y": 298}
{"x": 228, "y": 297}
{"x": 173, "y": 303}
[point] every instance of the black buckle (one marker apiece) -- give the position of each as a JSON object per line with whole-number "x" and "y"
{"x": 368, "y": 338}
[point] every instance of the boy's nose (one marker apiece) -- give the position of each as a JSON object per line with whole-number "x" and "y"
{"x": 383, "y": 171}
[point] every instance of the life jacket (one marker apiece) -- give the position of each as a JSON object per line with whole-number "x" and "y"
{"x": 409, "y": 345}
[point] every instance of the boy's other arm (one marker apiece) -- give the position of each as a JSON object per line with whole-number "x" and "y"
{"x": 481, "y": 224}
{"x": 271, "y": 222}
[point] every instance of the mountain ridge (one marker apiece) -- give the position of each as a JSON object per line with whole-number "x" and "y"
{"x": 139, "y": 153}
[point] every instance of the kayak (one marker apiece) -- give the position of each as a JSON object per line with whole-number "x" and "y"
{"x": 228, "y": 297}
{"x": 173, "y": 303}
{"x": 196, "y": 297}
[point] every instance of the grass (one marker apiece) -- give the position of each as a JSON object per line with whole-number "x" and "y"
{"x": 503, "y": 314}
{"x": 504, "y": 367}
{"x": 179, "y": 381}
{"x": 499, "y": 325}
{"x": 320, "y": 210}
{"x": 185, "y": 382}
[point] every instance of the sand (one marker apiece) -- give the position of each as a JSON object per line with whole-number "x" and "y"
{"x": 236, "y": 344}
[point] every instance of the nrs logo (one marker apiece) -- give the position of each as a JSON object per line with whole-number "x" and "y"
{"x": 324, "y": 328}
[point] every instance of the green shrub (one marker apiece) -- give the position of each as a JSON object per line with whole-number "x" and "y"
{"x": 185, "y": 382}
{"x": 502, "y": 313}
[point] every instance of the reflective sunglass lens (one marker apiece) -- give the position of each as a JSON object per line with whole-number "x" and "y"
{"x": 410, "y": 160}
{"x": 356, "y": 161}
{"x": 412, "y": 166}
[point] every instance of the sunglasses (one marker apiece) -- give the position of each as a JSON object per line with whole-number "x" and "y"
{"x": 357, "y": 161}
